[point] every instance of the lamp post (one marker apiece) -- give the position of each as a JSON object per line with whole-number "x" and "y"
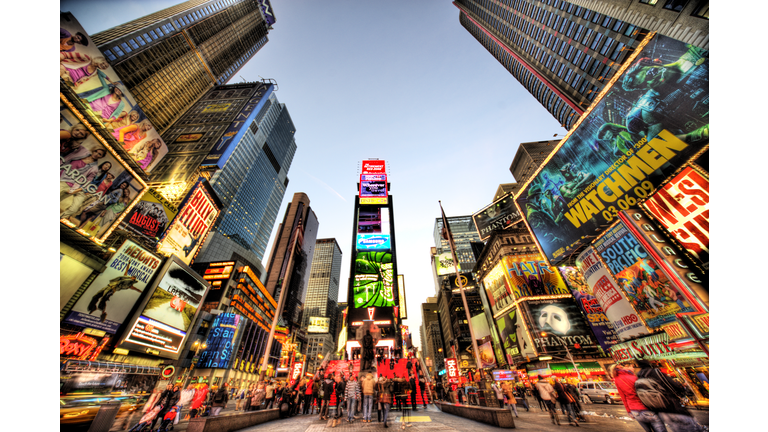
{"x": 567, "y": 351}
{"x": 197, "y": 346}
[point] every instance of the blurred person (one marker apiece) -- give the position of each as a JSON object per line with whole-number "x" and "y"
{"x": 548, "y": 396}
{"x": 625, "y": 378}
{"x": 328, "y": 385}
{"x": 661, "y": 394}
{"x": 351, "y": 395}
{"x": 220, "y": 399}
{"x": 566, "y": 402}
{"x": 368, "y": 387}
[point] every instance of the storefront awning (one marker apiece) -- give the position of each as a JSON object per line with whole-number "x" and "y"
{"x": 589, "y": 368}
{"x": 108, "y": 367}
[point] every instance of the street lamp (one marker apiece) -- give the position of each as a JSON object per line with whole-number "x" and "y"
{"x": 197, "y": 346}
{"x": 567, "y": 351}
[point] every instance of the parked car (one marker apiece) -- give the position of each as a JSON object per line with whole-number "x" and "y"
{"x": 600, "y": 391}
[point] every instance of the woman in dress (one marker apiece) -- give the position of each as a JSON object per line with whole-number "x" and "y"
{"x": 146, "y": 152}
{"x": 132, "y": 134}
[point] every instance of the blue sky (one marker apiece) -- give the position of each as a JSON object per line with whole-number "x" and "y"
{"x": 396, "y": 80}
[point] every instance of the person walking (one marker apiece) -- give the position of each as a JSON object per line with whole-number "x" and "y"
{"x": 309, "y": 387}
{"x": 537, "y": 396}
{"x": 339, "y": 393}
{"x": 520, "y": 392}
{"x": 258, "y": 396}
{"x": 167, "y": 400}
{"x": 270, "y": 395}
{"x": 240, "y": 398}
{"x": 367, "y": 385}
{"x": 414, "y": 392}
{"x": 625, "y": 378}
{"x": 510, "y": 398}
{"x": 662, "y": 394}
{"x": 317, "y": 385}
{"x": 220, "y": 399}
{"x": 566, "y": 402}
{"x": 386, "y": 388}
{"x": 574, "y": 392}
{"x": 351, "y": 395}
{"x": 499, "y": 394}
{"x": 547, "y": 394}
{"x": 328, "y": 385}
{"x": 185, "y": 398}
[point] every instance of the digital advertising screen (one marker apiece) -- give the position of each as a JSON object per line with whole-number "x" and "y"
{"x": 188, "y": 230}
{"x": 599, "y": 323}
{"x": 529, "y": 275}
{"x": 682, "y": 207}
{"x": 373, "y": 220}
{"x": 83, "y": 67}
{"x": 374, "y": 166}
{"x": 223, "y": 340}
{"x": 373, "y": 242}
{"x": 108, "y": 300}
{"x": 167, "y": 314}
{"x": 562, "y": 321}
{"x": 648, "y": 122}
{"x": 373, "y": 189}
{"x": 374, "y": 280}
{"x": 318, "y": 325}
{"x": 647, "y": 288}
{"x": 96, "y": 187}
{"x": 499, "y": 215}
{"x": 150, "y": 217}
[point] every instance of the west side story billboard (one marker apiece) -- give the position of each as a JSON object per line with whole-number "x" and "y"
{"x": 650, "y": 121}
{"x": 83, "y": 68}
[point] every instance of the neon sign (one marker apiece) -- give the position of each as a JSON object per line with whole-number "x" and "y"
{"x": 452, "y": 367}
{"x": 79, "y": 345}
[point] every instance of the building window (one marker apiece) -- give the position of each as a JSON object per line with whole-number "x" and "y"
{"x": 630, "y": 30}
{"x": 153, "y": 34}
{"x": 649, "y": 2}
{"x": 702, "y": 10}
{"x": 141, "y": 41}
{"x": 147, "y": 38}
{"x": 109, "y": 55}
{"x": 126, "y": 47}
{"x": 675, "y": 5}
{"x": 160, "y": 32}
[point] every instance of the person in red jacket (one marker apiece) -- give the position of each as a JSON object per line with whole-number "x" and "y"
{"x": 625, "y": 378}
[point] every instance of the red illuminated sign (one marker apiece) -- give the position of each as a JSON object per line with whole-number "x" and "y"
{"x": 296, "y": 373}
{"x": 374, "y": 167}
{"x": 452, "y": 368}
{"x": 80, "y": 346}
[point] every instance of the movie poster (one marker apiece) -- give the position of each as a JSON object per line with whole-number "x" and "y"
{"x": 111, "y": 296}
{"x": 562, "y": 320}
{"x": 626, "y": 323}
{"x": 649, "y": 291}
{"x": 373, "y": 284}
{"x": 499, "y": 215}
{"x": 83, "y": 68}
{"x": 487, "y": 358}
{"x": 599, "y": 323}
{"x": 529, "y": 275}
{"x": 513, "y": 336}
{"x": 649, "y": 123}
{"x": 95, "y": 189}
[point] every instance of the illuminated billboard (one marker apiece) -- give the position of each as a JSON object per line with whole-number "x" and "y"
{"x": 401, "y": 297}
{"x": 444, "y": 264}
{"x": 373, "y": 242}
{"x": 373, "y": 284}
{"x": 373, "y": 189}
{"x": 223, "y": 340}
{"x": 267, "y": 12}
{"x": 513, "y": 337}
{"x": 374, "y": 167}
{"x": 96, "y": 188}
{"x": 649, "y": 121}
{"x": 373, "y": 220}
{"x": 655, "y": 298}
{"x": 499, "y": 215}
{"x": 188, "y": 230}
{"x": 599, "y": 323}
{"x": 529, "y": 275}
{"x": 162, "y": 322}
{"x": 561, "y": 319}
{"x": 83, "y": 68}
{"x": 111, "y": 296}
{"x": 682, "y": 207}
{"x": 318, "y": 325}
{"x": 497, "y": 288}
{"x": 150, "y": 217}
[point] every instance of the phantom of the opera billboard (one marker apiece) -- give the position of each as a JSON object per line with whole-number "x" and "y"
{"x": 82, "y": 67}
{"x": 648, "y": 122}
{"x": 164, "y": 318}
{"x": 561, "y": 319}
{"x": 95, "y": 186}
{"x": 187, "y": 232}
{"x": 499, "y": 215}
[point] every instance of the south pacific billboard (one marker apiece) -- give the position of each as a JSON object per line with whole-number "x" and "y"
{"x": 83, "y": 68}
{"x": 649, "y": 121}
{"x": 111, "y": 296}
{"x": 647, "y": 287}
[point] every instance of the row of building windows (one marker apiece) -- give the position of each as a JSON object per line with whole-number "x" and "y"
{"x": 701, "y": 10}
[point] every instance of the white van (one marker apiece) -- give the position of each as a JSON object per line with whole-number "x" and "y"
{"x": 600, "y": 391}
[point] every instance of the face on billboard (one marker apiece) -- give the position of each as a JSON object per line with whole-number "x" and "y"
{"x": 649, "y": 123}
{"x": 529, "y": 275}
{"x": 95, "y": 187}
{"x": 187, "y": 232}
{"x": 110, "y": 297}
{"x": 509, "y": 335}
{"x": 373, "y": 284}
{"x": 84, "y": 68}
{"x": 559, "y": 317}
{"x": 649, "y": 291}
{"x": 682, "y": 207}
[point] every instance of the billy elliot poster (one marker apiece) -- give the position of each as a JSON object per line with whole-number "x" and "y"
{"x": 649, "y": 123}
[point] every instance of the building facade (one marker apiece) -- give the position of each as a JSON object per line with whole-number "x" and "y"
{"x": 464, "y": 232}
{"x": 323, "y": 286}
{"x": 529, "y": 157}
{"x": 168, "y": 59}
{"x": 563, "y": 54}
{"x": 319, "y": 347}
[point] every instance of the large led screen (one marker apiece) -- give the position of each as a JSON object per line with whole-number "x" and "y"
{"x": 83, "y": 68}
{"x": 647, "y": 125}
{"x": 222, "y": 341}
{"x": 373, "y": 284}
{"x": 373, "y": 189}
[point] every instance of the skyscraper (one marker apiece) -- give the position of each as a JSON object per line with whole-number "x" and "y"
{"x": 563, "y": 54}
{"x": 529, "y": 157}
{"x": 464, "y": 232}
{"x": 291, "y": 258}
{"x": 168, "y": 59}
{"x": 323, "y": 285}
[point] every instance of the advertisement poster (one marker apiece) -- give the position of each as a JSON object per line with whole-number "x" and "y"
{"x": 499, "y": 215}
{"x": 83, "y": 68}
{"x": 682, "y": 207}
{"x": 649, "y": 291}
{"x": 318, "y": 325}
{"x": 374, "y": 167}
{"x": 222, "y": 341}
{"x": 626, "y": 323}
{"x": 162, "y": 325}
{"x": 599, "y": 323}
{"x": 497, "y": 288}
{"x": 150, "y": 217}
{"x": 563, "y": 322}
{"x": 529, "y": 275}
{"x": 511, "y": 335}
{"x": 402, "y": 307}
{"x": 487, "y": 359}
{"x": 111, "y": 296}
{"x": 72, "y": 274}
{"x": 187, "y": 232}
{"x": 373, "y": 284}
{"x": 444, "y": 264}
{"x": 373, "y": 242}
{"x": 95, "y": 188}
{"x": 649, "y": 123}
{"x": 373, "y": 220}
{"x": 466, "y": 279}
{"x": 373, "y": 189}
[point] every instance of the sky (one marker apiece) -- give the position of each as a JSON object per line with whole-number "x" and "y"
{"x": 396, "y": 80}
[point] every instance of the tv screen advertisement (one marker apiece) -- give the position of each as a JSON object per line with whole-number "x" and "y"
{"x": 374, "y": 280}
{"x": 373, "y": 189}
{"x": 222, "y": 341}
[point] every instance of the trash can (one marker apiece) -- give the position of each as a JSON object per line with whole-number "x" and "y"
{"x": 105, "y": 417}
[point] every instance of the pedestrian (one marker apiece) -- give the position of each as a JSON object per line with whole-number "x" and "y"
{"x": 185, "y": 399}
{"x": 351, "y": 395}
{"x": 367, "y": 385}
{"x": 499, "y": 394}
{"x": 662, "y": 395}
{"x": 386, "y": 388}
{"x": 167, "y": 400}
{"x": 220, "y": 399}
{"x": 259, "y": 395}
{"x": 510, "y": 398}
{"x": 240, "y": 398}
{"x": 574, "y": 392}
{"x": 307, "y": 394}
{"x": 407, "y": 392}
{"x": 328, "y": 385}
{"x": 198, "y": 401}
{"x": 168, "y": 419}
{"x": 520, "y": 392}
{"x": 625, "y": 378}
{"x": 414, "y": 392}
{"x": 537, "y": 396}
{"x": 566, "y": 402}
{"x": 338, "y": 391}
{"x": 270, "y": 394}
{"x": 439, "y": 389}
{"x": 146, "y": 419}
{"x": 317, "y": 399}
{"x": 548, "y": 395}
